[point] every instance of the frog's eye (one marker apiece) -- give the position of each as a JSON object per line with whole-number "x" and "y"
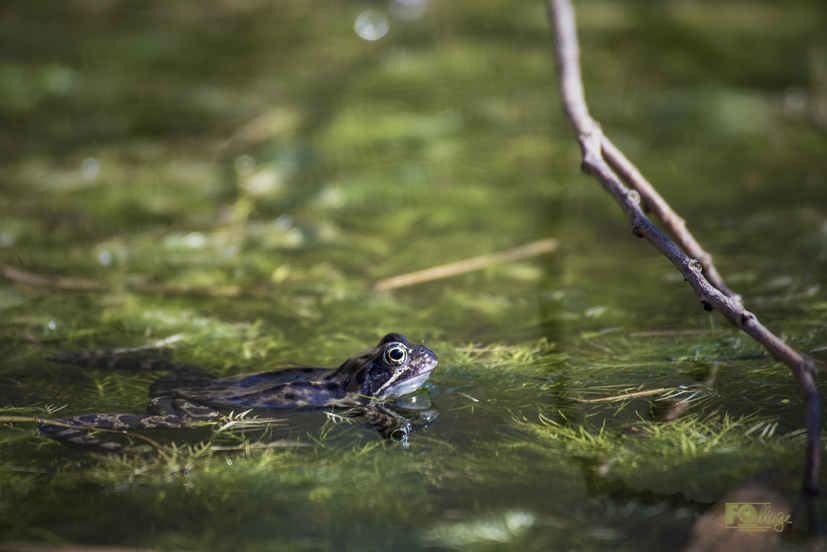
{"x": 395, "y": 355}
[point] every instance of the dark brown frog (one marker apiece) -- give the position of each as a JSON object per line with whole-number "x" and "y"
{"x": 367, "y": 382}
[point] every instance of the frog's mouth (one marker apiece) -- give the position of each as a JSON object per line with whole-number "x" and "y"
{"x": 408, "y": 386}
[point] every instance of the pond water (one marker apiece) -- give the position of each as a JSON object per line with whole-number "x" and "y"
{"x": 241, "y": 173}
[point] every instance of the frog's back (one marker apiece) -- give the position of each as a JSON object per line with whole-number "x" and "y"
{"x": 267, "y": 394}
{"x": 278, "y": 375}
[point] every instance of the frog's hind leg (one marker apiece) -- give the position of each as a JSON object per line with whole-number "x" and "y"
{"x": 181, "y": 408}
{"x": 80, "y": 438}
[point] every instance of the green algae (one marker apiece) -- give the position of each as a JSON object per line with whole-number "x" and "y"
{"x": 257, "y": 168}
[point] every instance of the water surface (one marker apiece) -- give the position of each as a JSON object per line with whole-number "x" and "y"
{"x": 242, "y": 173}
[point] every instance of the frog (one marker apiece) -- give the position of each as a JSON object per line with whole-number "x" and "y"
{"x": 368, "y": 383}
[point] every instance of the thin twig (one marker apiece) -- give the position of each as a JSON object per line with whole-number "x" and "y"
{"x": 60, "y": 282}
{"x": 281, "y": 443}
{"x": 20, "y": 335}
{"x": 55, "y": 547}
{"x": 592, "y": 142}
{"x": 630, "y": 395}
{"x": 670, "y": 333}
{"x": 468, "y": 265}
{"x": 40, "y": 280}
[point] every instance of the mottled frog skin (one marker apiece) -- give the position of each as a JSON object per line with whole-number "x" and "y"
{"x": 366, "y": 382}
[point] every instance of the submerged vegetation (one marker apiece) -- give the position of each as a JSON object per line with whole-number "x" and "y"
{"x": 512, "y": 420}
{"x": 238, "y": 175}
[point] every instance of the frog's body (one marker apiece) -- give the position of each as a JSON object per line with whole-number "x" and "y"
{"x": 390, "y": 370}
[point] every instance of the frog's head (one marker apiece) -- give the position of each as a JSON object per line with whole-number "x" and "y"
{"x": 391, "y": 369}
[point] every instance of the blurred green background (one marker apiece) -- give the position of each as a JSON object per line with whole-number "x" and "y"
{"x": 242, "y": 172}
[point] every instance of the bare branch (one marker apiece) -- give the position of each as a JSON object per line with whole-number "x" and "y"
{"x": 594, "y": 146}
{"x": 654, "y": 202}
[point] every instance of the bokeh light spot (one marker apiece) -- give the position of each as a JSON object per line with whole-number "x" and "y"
{"x": 245, "y": 165}
{"x": 371, "y": 25}
{"x": 90, "y": 168}
{"x": 408, "y": 10}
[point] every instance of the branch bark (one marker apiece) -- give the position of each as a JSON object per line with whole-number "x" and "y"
{"x": 599, "y": 157}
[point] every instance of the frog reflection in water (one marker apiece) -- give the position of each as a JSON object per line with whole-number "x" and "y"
{"x": 366, "y": 382}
